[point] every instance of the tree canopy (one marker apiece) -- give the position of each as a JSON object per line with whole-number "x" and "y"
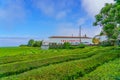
{"x": 30, "y": 42}
{"x": 109, "y": 19}
{"x": 33, "y": 43}
{"x": 118, "y": 1}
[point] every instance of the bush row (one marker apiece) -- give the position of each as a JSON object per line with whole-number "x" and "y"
{"x": 68, "y": 70}
{"x": 108, "y": 71}
{"x": 67, "y": 45}
{"x": 40, "y": 54}
{"x": 11, "y": 69}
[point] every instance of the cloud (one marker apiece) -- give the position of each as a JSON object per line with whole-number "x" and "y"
{"x": 61, "y": 14}
{"x": 69, "y": 29}
{"x": 81, "y": 21}
{"x": 66, "y": 29}
{"x": 55, "y": 8}
{"x": 12, "y": 10}
{"x": 91, "y": 31}
{"x": 93, "y": 7}
{"x": 46, "y": 6}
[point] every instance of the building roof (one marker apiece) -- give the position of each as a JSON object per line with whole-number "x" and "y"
{"x": 70, "y": 37}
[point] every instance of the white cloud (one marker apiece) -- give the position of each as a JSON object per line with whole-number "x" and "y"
{"x": 12, "y": 11}
{"x": 93, "y": 7}
{"x": 55, "y": 8}
{"x": 69, "y": 29}
{"x": 61, "y": 14}
{"x": 47, "y": 7}
{"x": 81, "y": 21}
{"x": 91, "y": 31}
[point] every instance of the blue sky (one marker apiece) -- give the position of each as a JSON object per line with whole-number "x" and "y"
{"x": 21, "y": 20}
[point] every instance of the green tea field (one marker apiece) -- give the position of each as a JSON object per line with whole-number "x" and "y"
{"x": 89, "y": 63}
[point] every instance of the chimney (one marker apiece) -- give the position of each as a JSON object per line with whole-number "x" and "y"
{"x": 85, "y": 35}
{"x": 72, "y": 35}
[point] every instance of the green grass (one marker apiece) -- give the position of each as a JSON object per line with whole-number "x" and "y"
{"x": 60, "y": 64}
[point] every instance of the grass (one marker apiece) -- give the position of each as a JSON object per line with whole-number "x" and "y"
{"x": 60, "y": 64}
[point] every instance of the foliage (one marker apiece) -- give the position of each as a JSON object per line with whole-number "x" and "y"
{"x": 29, "y": 63}
{"x": 17, "y": 54}
{"x": 11, "y": 69}
{"x": 109, "y": 18}
{"x": 37, "y": 44}
{"x": 118, "y": 42}
{"x": 66, "y": 45}
{"x": 108, "y": 71}
{"x": 95, "y": 41}
{"x": 81, "y": 45}
{"x": 58, "y": 46}
{"x": 73, "y": 47}
{"x": 23, "y": 45}
{"x": 30, "y": 43}
{"x": 68, "y": 70}
{"x": 118, "y": 1}
{"x": 33, "y": 43}
{"x": 106, "y": 43}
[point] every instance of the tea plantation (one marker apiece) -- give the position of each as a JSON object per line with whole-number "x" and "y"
{"x": 89, "y": 63}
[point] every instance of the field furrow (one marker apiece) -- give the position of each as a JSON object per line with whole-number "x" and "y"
{"x": 108, "y": 71}
{"x": 39, "y": 54}
{"x": 20, "y": 67}
{"x": 68, "y": 70}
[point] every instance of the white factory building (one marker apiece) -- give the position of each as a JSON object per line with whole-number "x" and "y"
{"x": 74, "y": 40}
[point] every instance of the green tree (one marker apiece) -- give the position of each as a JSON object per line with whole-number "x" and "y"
{"x": 109, "y": 18}
{"x": 118, "y": 1}
{"x": 31, "y": 42}
{"x": 66, "y": 45}
{"x": 37, "y": 44}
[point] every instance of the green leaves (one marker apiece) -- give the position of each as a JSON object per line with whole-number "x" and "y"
{"x": 108, "y": 71}
{"x": 109, "y": 17}
{"x": 117, "y": 1}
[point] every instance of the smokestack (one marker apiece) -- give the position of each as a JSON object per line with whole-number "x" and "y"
{"x": 80, "y": 33}
{"x": 72, "y": 35}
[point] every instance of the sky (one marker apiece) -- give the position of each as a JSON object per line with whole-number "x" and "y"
{"x": 21, "y": 20}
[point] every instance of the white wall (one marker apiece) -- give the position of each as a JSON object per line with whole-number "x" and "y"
{"x": 71, "y": 40}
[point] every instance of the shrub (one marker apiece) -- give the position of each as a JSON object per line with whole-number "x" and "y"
{"x": 73, "y": 47}
{"x": 23, "y": 45}
{"x": 66, "y": 45}
{"x": 108, "y": 71}
{"x": 37, "y": 44}
{"x": 81, "y": 45}
{"x": 105, "y": 43}
{"x": 74, "y": 69}
{"x": 30, "y": 42}
{"x": 118, "y": 42}
{"x": 59, "y": 46}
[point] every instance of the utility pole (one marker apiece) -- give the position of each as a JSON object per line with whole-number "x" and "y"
{"x": 80, "y": 33}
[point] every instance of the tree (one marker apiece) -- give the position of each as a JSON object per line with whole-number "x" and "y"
{"x": 109, "y": 18}
{"x": 95, "y": 40}
{"x": 30, "y": 42}
{"x": 118, "y": 1}
{"x": 37, "y": 44}
{"x": 66, "y": 45}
